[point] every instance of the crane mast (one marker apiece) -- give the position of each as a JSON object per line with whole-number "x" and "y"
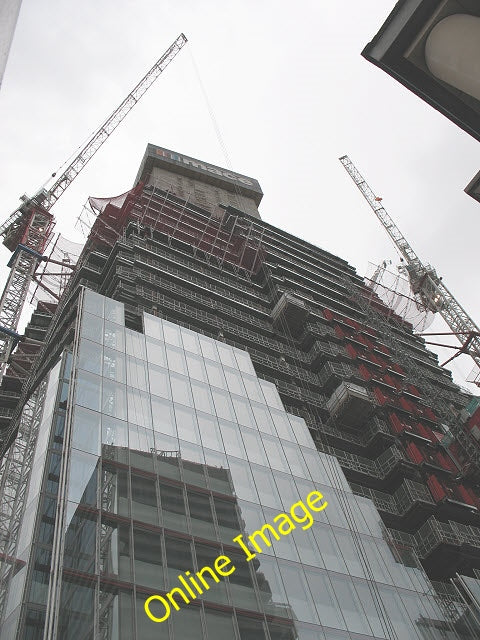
{"x": 424, "y": 280}
{"x": 28, "y": 230}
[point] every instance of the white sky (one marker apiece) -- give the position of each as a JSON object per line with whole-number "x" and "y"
{"x": 290, "y": 93}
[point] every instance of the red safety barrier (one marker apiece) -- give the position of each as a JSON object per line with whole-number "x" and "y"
{"x": 464, "y": 495}
{"x": 352, "y": 352}
{"x": 364, "y": 372}
{"x": 414, "y": 453}
{"x": 436, "y": 488}
{"x": 380, "y": 396}
{"x": 445, "y": 462}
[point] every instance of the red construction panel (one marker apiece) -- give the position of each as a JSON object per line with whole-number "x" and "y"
{"x": 364, "y": 372}
{"x": 397, "y": 425}
{"x": 464, "y": 495}
{"x": 339, "y": 331}
{"x": 352, "y": 352}
{"x": 328, "y": 314}
{"x": 436, "y": 488}
{"x": 414, "y": 453}
{"x": 381, "y": 397}
{"x": 406, "y": 404}
{"x": 424, "y": 431}
{"x": 445, "y": 462}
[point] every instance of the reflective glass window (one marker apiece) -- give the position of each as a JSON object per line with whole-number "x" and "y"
{"x": 282, "y": 425}
{"x": 114, "y": 365}
{"x": 144, "y": 500}
{"x": 92, "y": 327}
{"x": 219, "y": 625}
{"x": 90, "y": 356}
{"x": 243, "y": 483}
{"x": 209, "y": 350}
{"x": 114, "y": 399}
{"x": 181, "y": 391}
{"x": 139, "y": 407}
{"x": 234, "y": 381}
{"x": 243, "y": 361}
{"x": 114, "y": 432}
{"x": 171, "y": 333}
{"x": 152, "y": 326}
{"x": 190, "y": 341}
{"x": 270, "y": 394}
{"x": 146, "y": 628}
{"x": 196, "y": 367}
{"x": 173, "y": 507}
{"x": 210, "y": 431}
{"x": 253, "y": 389}
{"x": 156, "y": 351}
{"x": 266, "y": 487}
{"x": 206, "y": 556}
{"x": 86, "y": 430}
{"x": 114, "y": 336}
{"x": 296, "y": 461}
{"x": 232, "y": 439}
{"x": 263, "y": 418}
{"x": 114, "y": 311}
{"x": 329, "y": 548}
{"x": 243, "y": 412}
{"x": 201, "y": 516}
{"x": 254, "y": 447}
{"x": 137, "y": 373}
{"x": 141, "y": 444}
{"x": 159, "y": 381}
{"x": 163, "y": 416}
{"x": 187, "y": 425}
{"x": 178, "y": 554}
{"x": 227, "y": 519}
{"x": 135, "y": 344}
{"x": 329, "y": 607}
{"x": 176, "y": 359}
{"x": 93, "y": 302}
{"x": 83, "y": 477}
{"x": 188, "y": 626}
{"x": 202, "y": 397}
{"x": 223, "y": 404}
{"x": 301, "y": 431}
{"x": 275, "y": 454}
{"x": 88, "y": 389}
{"x": 227, "y": 357}
{"x": 242, "y": 590}
{"x": 215, "y": 374}
{"x": 299, "y": 594}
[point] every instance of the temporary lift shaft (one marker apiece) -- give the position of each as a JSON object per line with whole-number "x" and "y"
{"x": 28, "y": 230}
{"x": 423, "y": 279}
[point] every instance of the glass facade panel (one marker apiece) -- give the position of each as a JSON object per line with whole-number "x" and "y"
{"x": 176, "y": 451}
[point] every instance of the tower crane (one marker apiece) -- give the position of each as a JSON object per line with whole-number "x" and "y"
{"x": 424, "y": 281}
{"x": 28, "y": 230}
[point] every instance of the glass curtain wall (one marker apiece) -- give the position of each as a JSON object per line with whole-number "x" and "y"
{"x": 173, "y": 448}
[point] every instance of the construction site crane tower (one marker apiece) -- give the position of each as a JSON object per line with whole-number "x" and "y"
{"x": 28, "y": 230}
{"x": 424, "y": 281}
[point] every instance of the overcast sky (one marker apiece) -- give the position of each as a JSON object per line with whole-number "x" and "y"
{"x": 289, "y": 92}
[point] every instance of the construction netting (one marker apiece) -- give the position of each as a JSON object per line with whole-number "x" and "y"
{"x": 52, "y": 276}
{"x": 395, "y": 292}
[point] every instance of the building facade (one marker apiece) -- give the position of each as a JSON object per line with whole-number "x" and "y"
{"x": 204, "y": 373}
{"x": 9, "y": 11}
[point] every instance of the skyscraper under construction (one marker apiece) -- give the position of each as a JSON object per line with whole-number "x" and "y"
{"x": 202, "y": 372}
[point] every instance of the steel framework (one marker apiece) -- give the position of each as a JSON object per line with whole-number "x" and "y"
{"x": 423, "y": 278}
